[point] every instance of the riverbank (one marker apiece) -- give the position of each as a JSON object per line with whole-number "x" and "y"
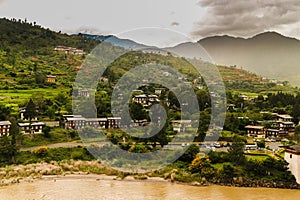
{"x": 31, "y": 172}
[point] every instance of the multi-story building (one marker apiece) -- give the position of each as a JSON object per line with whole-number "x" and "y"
{"x": 4, "y": 127}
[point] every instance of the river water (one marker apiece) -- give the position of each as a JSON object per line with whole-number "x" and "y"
{"x": 73, "y": 188}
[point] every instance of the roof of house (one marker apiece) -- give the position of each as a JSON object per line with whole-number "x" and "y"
{"x": 295, "y": 148}
{"x": 141, "y": 96}
{"x": 114, "y": 118}
{"x": 76, "y": 119}
{"x": 72, "y": 116}
{"x": 3, "y": 123}
{"x": 95, "y": 119}
{"x": 152, "y": 96}
{"x": 286, "y": 116}
{"x": 273, "y": 130}
{"x": 50, "y": 76}
{"x": 23, "y": 124}
{"x": 287, "y": 123}
{"x": 181, "y": 121}
{"x": 38, "y": 124}
{"x": 254, "y": 127}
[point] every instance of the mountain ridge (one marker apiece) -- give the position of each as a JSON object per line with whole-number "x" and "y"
{"x": 268, "y": 54}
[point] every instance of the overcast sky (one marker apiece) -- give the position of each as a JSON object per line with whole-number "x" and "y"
{"x": 194, "y": 18}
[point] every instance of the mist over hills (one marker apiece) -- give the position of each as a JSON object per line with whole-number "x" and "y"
{"x": 268, "y": 54}
{"x": 125, "y": 43}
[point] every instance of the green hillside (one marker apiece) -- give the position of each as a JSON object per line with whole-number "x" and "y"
{"x": 27, "y": 55}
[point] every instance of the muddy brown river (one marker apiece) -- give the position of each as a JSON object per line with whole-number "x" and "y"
{"x": 91, "y": 187}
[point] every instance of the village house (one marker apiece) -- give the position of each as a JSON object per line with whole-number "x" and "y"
{"x": 244, "y": 97}
{"x": 146, "y": 100}
{"x": 153, "y": 98}
{"x": 292, "y": 156}
{"x": 96, "y": 122}
{"x": 283, "y": 122}
{"x": 84, "y": 93}
{"x": 272, "y": 133}
{"x": 24, "y": 128}
{"x": 282, "y": 118}
{"x": 159, "y": 91}
{"x": 37, "y": 127}
{"x": 53, "y": 124}
{"x": 51, "y": 79}
{"x": 4, "y": 128}
{"x": 34, "y": 128}
{"x": 113, "y": 122}
{"x": 75, "y": 122}
{"x": 137, "y": 123}
{"x": 69, "y": 50}
{"x": 22, "y": 111}
{"x": 142, "y": 99}
{"x": 181, "y": 125}
{"x": 255, "y": 131}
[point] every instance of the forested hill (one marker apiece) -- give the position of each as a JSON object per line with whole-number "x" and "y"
{"x": 27, "y": 55}
{"x": 17, "y": 35}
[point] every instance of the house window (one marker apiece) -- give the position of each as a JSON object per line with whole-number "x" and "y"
{"x": 291, "y": 156}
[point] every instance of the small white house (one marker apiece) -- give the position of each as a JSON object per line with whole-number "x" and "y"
{"x": 292, "y": 156}
{"x": 34, "y": 128}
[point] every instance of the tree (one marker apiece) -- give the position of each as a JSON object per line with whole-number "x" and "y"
{"x": 137, "y": 111}
{"x": 227, "y": 172}
{"x": 202, "y": 166}
{"x": 50, "y": 112}
{"x": 4, "y": 112}
{"x": 7, "y": 150}
{"x": 261, "y": 144}
{"x": 40, "y": 78}
{"x": 236, "y": 151}
{"x": 297, "y": 133}
{"x": 190, "y": 154}
{"x": 46, "y": 131}
{"x": 30, "y": 111}
{"x": 14, "y": 132}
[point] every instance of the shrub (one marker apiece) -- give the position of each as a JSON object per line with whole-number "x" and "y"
{"x": 41, "y": 152}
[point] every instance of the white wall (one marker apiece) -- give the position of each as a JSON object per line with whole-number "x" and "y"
{"x": 294, "y": 164}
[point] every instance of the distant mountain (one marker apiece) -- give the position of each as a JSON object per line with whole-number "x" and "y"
{"x": 269, "y": 54}
{"x": 125, "y": 43}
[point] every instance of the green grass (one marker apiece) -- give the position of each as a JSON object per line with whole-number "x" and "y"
{"x": 220, "y": 165}
{"x": 280, "y": 153}
{"x": 57, "y": 135}
{"x": 14, "y": 98}
{"x": 257, "y": 157}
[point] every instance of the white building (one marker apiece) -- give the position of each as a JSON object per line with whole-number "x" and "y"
{"x": 292, "y": 156}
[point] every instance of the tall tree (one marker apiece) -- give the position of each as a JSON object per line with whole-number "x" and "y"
{"x": 14, "y": 132}
{"x": 236, "y": 151}
{"x": 30, "y": 111}
{"x": 4, "y": 112}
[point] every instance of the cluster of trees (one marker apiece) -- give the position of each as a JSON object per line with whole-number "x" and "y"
{"x": 46, "y": 107}
{"x": 235, "y": 164}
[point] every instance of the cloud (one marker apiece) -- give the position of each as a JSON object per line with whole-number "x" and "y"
{"x": 246, "y": 18}
{"x": 88, "y": 30}
{"x": 175, "y": 24}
